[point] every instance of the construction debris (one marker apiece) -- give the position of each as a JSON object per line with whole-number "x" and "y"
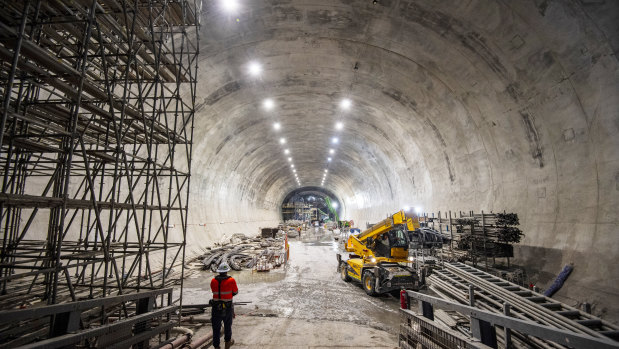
{"x": 260, "y": 254}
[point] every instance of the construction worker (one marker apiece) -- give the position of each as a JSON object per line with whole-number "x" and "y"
{"x": 224, "y": 288}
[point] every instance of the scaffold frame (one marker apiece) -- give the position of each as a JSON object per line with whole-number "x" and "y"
{"x": 97, "y": 103}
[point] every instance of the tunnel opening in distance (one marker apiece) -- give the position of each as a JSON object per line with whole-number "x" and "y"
{"x": 314, "y": 204}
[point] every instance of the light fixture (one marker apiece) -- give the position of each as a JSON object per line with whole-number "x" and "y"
{"x": 268, "y": 104}
{"x": 282, "y": 141}
{"x": 294, "y": 170}
{"x": 331, "y": 151}
{"x": 255, "y": 68}
{"x": 345, "y": 103}
{"x": 229, "y": 5}
{"x": 289, "y": 159}
{"x": 334, "y": 204}
{"x": 286, "y": 151}
{"x": 329, "y": 159}
{"x": 292, "y": 166}
{"x": 326, "y": 170}
{"x": 335, "y": 140}
{"x": 277, "y": 125}
{"x": 339, "y": 125}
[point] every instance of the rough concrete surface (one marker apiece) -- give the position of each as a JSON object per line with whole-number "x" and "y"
{"x": 455, "y": 105}
{"x": 305, "y": 304}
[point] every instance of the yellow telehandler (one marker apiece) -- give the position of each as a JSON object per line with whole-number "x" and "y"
{"x": 380, "y": 258}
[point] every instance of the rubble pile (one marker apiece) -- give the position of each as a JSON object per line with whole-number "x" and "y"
{"x": 261, "y": 254}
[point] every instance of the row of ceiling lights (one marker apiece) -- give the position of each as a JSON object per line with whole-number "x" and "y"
{"x": 345, "y": 104}
{"x": 255, "y": 69}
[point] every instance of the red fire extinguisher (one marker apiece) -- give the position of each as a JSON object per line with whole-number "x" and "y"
{"x": 404, "y": 299}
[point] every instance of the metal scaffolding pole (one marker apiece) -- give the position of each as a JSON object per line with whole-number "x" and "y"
{"x": 98, "y": 100}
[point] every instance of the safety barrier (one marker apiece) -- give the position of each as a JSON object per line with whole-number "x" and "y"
{"x": 483, "y": 325}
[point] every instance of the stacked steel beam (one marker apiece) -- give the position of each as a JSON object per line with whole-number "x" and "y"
{"x": 97, "y": 108}
{"x": 459, "y": 281}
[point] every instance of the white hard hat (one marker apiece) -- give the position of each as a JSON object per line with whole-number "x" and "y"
{"x": 223, "y": 268}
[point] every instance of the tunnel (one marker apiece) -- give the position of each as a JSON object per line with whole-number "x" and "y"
{"x": 477, "y": 105}
{"x": 141, "y": 136}
{"x": 327, "y": 206}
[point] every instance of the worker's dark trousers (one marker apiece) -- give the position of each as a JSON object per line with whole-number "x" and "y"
{"x": 219, "y": 315}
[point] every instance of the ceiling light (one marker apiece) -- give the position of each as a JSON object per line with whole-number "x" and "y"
{"x": 268, "y": 104}
{"x": 331, "y": 151}
{"x": 292, "y": 166}
{"x": 277, "y": 125}
{"x": 329, "y": 159}
{"x": 293, "y": 170}
{"x": 229, "y": 5}
{"x": 334, "y": 204}
{"x": 286, "y": 151}
{"x": 289, "y": 159}
{"x": 339, "y": 125}
{"x": 334, "y": 140}
{"x": 326, "y": 170}
{"x": 345, "y": 103}
{"x": 255, "y": 68}
{"x": 282, "y": 140}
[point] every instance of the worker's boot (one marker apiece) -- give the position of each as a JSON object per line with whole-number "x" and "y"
{"x": 229, "y": 343}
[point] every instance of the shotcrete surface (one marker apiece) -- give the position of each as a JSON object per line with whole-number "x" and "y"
{"x": 305, "y": 304}
{"x": 453, "y": 106}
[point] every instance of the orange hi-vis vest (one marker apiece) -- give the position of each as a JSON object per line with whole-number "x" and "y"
{"x": 224, "y": 288}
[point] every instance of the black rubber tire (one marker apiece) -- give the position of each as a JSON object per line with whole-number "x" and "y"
{"x": 368, "y": 282}
{"x": 344, "y": 272}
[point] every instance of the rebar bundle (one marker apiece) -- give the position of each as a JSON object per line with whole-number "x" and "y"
{"x": 97, "y": 104}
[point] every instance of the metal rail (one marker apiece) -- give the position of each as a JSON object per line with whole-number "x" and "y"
{"x": 96, "y": 132}
{"x": 472, "y": 286}
{"x": 483, "y": 324}
{"x": 134, "y": 312}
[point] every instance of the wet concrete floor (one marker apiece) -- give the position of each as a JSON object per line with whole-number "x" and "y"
{"x": 305, "y": 304}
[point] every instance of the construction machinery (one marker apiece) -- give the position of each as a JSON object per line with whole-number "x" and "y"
{"x": 380, "y": 256}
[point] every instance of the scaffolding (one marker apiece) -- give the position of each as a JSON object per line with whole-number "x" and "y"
{"x": 97, "y": 103}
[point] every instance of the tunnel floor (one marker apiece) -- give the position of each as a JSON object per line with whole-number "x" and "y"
{"x": 304, "y": 304}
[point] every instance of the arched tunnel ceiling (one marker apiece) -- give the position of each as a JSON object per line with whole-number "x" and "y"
{"x": 430, "y": 78}
{"x": 495, "y": 105}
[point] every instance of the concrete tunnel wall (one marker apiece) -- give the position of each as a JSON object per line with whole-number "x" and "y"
{"x": 476, "y": 105}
